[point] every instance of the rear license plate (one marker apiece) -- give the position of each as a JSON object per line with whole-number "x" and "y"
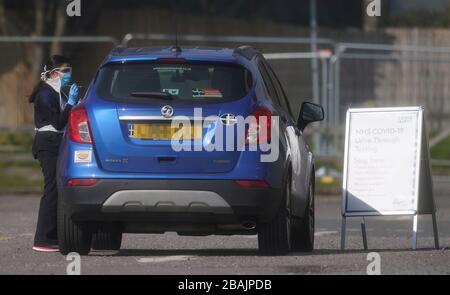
{"x": 164, "y": 131}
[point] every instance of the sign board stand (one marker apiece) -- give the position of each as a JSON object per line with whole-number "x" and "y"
{"x": 387, "y": 168}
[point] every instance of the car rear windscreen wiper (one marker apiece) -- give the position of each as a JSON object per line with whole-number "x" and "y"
{"x": 159, "y": 95}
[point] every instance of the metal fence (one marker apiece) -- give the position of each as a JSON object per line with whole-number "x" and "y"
{"x": 351, "y": 75}
{"x": 377, "y": 75}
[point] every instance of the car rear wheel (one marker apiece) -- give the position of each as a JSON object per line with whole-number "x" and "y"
{"x": 274, "y": 237}
{"x": 107, "y": 237}
{"x": 72, "y": 236}
{"x": 303, "y": 234}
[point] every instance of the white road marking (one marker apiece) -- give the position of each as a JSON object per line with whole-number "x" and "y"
{"x": 5, "y": 238}
{"x": 164, "y": 259}
{"x": 324, "y": 233}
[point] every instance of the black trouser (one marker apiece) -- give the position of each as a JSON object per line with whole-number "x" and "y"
{"x": 45, "y": 149}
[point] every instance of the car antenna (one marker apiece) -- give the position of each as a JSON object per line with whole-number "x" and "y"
{"x": 176, "y": 48}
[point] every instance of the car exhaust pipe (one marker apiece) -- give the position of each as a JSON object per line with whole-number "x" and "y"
{"x": 248, "y": 224}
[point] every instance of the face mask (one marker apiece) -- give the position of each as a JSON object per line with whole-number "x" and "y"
{"x": 65, "y": 78}
{"x": 65, "y": 75}
{"x": 55, "y": 83}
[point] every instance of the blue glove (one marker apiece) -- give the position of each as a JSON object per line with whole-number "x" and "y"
{"x": 73, "y": 95}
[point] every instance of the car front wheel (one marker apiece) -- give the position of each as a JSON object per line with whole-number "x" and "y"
{"x": 303, "y": 233}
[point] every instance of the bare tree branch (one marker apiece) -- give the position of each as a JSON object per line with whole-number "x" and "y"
{"x": 34, "y": 53}
{"x": 39, "y": 21}
{"x": 3, "y": 21}
{"x": 60, "y": 27}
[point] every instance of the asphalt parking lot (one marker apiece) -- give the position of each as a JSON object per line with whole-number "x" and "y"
{"x": 171, "y": 254}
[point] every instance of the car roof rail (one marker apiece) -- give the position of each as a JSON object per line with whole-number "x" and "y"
{"x": 246, "y": 51}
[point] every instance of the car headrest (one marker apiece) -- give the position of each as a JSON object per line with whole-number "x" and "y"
{"x": 150, "y": 82}
{"x": 222, "y": 80}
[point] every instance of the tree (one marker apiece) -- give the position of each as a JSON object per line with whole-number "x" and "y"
{"x": 20, "y": 69}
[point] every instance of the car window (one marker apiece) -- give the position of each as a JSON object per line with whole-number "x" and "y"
{"x": 184, "y": 81}
{"x": 284, "y": 103}
{"x": 268, "y": 83}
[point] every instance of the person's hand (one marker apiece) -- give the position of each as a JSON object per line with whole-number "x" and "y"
{"x": 73, "y": 95}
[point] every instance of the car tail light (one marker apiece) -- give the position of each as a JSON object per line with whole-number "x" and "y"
{"x": 252, "y": 183}
{"x": 82, "y": 182}
{"x": 259, "y": 130}
{"x": 79, "y": 130}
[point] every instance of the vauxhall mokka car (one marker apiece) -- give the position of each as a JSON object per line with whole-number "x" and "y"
{"x": 118, "y": 171}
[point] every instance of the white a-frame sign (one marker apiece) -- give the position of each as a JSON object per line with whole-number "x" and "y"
{"x": 387, "y": 167}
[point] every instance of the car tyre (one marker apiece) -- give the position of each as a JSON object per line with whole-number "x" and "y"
{"x": 72, "y": 236}
{"x": 274, "y": 237}
{"x": 303, "y": 233}
{"x": 107, "y": 237}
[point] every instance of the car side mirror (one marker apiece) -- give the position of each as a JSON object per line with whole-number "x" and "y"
{"x": 309, "y": 112}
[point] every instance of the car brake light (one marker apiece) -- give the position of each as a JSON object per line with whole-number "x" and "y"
{"x": 259, "y": 129}
{"x": 252, "y": 183}
{"x": 82, "y": 182}
{"x": 175, "y": 60}
{"x": 79, "y": 130}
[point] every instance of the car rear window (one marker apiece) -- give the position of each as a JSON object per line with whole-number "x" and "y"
{"x": 183, "y": 81}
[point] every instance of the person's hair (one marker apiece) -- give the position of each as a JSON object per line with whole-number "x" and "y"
{"x": 55, "y": 61}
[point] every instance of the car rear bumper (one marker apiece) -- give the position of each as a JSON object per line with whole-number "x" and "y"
{"x": 175, "y": 202}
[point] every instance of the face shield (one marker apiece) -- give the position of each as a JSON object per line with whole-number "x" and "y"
{"x": 65, "y": 74}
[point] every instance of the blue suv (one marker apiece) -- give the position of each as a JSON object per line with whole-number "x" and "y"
{"x": 119, "y": 170}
